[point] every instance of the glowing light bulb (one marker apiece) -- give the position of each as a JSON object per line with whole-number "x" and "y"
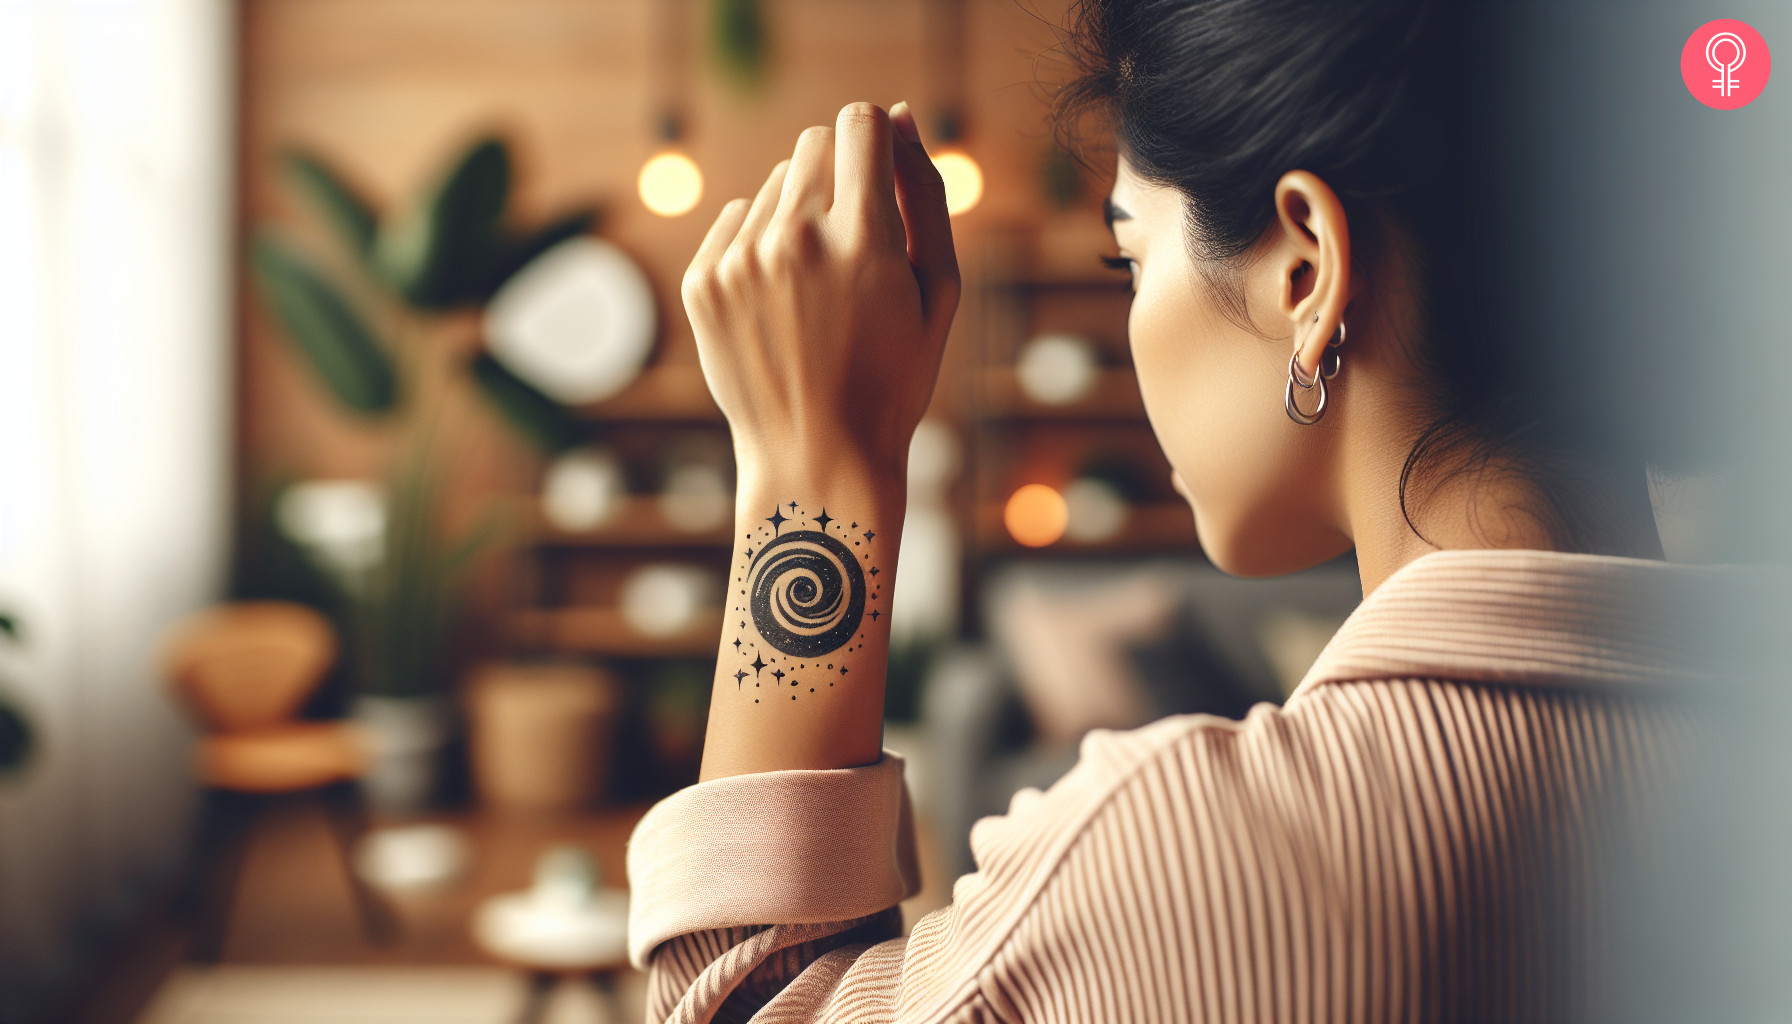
{"x": 1036, "y": 515}
{"x": 670, "y": 184}
{"x": 963, "y": 179}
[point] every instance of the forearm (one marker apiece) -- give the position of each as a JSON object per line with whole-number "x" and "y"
{"x": 799, "y": 677}
{"x": 820, "y": 310}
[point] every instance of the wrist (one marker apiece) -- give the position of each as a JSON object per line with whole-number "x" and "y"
{"x": 862, "y": 485}
{"x": 800, "y": 672}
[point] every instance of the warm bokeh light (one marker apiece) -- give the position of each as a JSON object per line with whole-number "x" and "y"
{"x": 964, "y": 181}
{"x": 1036, "y": 515}
{"x": 670, "y": 184}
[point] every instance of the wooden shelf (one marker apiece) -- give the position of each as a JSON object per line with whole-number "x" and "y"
{"x": 1115, "y": 396}
{"x": 580, "y": 629}
{"x": 637, "y": 524}
{"x": 1115, "y": 282}
{"x": 662, "y": 394}
{"x": 1154, "y": 526}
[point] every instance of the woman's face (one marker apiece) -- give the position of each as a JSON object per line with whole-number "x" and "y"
{"x": 1257, "y": 481}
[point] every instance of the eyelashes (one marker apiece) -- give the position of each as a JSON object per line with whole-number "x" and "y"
{"x": 1124, "y": 264}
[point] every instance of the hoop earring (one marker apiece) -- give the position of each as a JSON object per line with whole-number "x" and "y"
{"x": 1326, "y": 372}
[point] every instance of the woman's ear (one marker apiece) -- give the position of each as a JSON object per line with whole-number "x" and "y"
{"x": 1312, "y": 258}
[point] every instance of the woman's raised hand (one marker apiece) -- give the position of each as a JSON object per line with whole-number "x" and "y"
{"x": 821, "y": 308}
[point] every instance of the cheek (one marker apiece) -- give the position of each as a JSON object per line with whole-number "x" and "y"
{"x": 1211, "y": 393}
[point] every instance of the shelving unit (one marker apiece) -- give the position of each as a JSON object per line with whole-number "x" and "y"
{"x": 637, "y": 523}
{"x": 1014, "y": 440}
{"x": 1114, "y": 396}
{"x": 672, "y": 393}
{"x": 576, "y": 576}
{"x": 1155, "y": 527}
{"x": 1009, "y": 439}
{"x": 603, "y": 631}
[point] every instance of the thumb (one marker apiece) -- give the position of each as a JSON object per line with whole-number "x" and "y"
{"x": 921, "y": 196}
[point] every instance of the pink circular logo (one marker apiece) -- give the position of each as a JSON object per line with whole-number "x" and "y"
{"x": 1725, "y": 64}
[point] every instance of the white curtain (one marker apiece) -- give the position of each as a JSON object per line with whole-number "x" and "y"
{"x": 114, "y": 446}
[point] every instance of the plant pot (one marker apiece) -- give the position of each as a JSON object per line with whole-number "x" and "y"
{"x": 541, "y": 734}
{"x": 405, "y": 738}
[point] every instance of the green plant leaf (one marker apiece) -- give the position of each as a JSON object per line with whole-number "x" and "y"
{"x": 319, "y": 321}
{"x": 737, "y": 33}
{"x": 413, "y": 590}
{"x": 537, "y": 417}
{"x": 10, "y": 626}
{"x": 15, "y": 739}
{"x": 333, "y": 199}
{"x": 491, "y": 527}
{"x": 401, "y": 635}
{"x": 1060, "y": 177}
{"x": 518, "y": 253}
{"x": 441, "y": 251}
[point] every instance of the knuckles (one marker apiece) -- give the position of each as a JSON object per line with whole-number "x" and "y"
{"x": 794, "y": 244}
{"x": 709, "y": 288}
{"x": 701, "y": 289}
{"x": 735, "y": 272}
{"x": 786, "y": 252}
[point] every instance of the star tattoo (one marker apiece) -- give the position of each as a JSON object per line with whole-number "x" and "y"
{"x": 805, "y": 592}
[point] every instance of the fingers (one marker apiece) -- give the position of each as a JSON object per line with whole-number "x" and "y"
{"x": 809, "y": 185}
{"x": 863, "y": 173}
{"x": 764, "y": 205}
{"x": 699, "y": 288}
{"x": 722, "y": 232}
{"x": 902, "y": 123}
{"x": 921, "y": 195}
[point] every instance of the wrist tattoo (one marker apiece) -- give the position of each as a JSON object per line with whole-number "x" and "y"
{"x": 807, "y": 593}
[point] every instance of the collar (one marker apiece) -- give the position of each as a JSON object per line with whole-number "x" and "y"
{"x": 1515, "y": 616}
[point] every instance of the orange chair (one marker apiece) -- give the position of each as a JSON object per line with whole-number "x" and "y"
{"x": 243, "y": 671}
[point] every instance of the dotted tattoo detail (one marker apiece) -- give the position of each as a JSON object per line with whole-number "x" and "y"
{"x": 805, "y": 593}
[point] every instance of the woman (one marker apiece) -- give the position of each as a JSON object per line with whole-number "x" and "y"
{"x": 1419, "y": 832}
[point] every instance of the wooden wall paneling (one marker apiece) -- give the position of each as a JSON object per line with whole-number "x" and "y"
{"x": 390, "y": 89}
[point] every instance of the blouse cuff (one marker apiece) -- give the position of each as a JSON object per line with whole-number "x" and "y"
{"x": 783, "y": 847}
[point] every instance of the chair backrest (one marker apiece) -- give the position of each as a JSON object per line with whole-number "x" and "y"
{"x": 250, "y": 664}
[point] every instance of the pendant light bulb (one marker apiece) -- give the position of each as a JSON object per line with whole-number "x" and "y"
{"x": 670, "y": 184}
{"x": 1036, "y": 515}
{"x": 963, "y": 180}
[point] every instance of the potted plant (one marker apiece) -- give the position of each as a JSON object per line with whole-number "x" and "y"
{"x": 367, "y": 327}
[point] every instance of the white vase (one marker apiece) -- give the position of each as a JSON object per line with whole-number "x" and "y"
{"x": 405, "y": 737}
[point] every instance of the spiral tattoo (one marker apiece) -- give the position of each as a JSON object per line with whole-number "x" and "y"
{"x": 808, "y": 597}
{"x": 806, "y": 593}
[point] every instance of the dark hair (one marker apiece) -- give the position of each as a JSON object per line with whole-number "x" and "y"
{"x": 1397, "y": 105}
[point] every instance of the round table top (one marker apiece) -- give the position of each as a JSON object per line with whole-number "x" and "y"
{"x": 545, "y": 931}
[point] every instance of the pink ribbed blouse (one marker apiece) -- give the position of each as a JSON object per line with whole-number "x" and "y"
{"x": 1424, "y": 831}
